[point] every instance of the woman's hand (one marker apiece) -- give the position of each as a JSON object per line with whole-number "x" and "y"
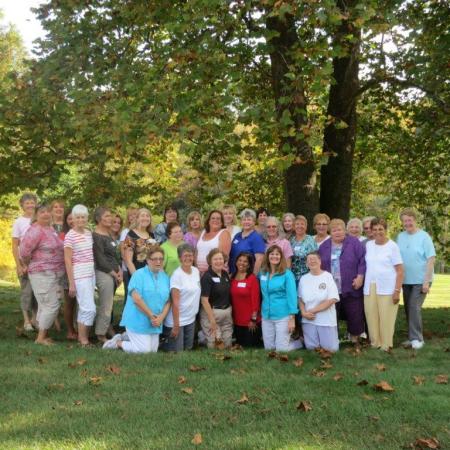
{"x": 291, "y": 325}
{"x": 156, "y": 321}
{"x": 175, "y": 331}
{"x": 252, "y": 326}
{"x": 309, "y": 315}
{"x": 21, "y": 270}
{"x": 358, "y": 282}
{"x": 212, "y": 328}
{"x": 425, "y": 288}
{"x": 396, "y": 297}
{"x": 72, "y": 290}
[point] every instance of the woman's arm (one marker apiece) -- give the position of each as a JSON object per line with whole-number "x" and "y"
{"x": 225, "y": 242}
{"x": 398, "y": 283}
{"x": 142, "y": 306}
{"x": 68, "y": 252}
{"x": 175, "y": 293}
{"x": 20, "y": 267}
{"x": 210, "y": 314}
{"x": 428, "y": 274}
{"x": 128, "y": 257}
{"x": 322, "y": 306}
{"x": 306, "y": 314}
{"x": 258, "y": 261}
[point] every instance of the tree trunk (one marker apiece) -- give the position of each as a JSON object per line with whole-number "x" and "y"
{"x": 340, "y": 133}
{"x": 300, "y": 177}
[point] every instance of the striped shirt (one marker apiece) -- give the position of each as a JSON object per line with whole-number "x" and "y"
{"x": 82, "y": 253}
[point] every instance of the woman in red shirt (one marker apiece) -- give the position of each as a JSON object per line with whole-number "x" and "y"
{"x": 245, "y": 299}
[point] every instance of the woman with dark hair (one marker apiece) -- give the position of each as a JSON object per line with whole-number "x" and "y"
{"x": 261, "y": 215}
{"x": 42, "y": 253}
{"x": 215, "y": 315}
{"x": 246, "y": 302}
{"x": 57, "y": 210}
{"x": 215, "y": 235}
{"x": 279, "y": 300}
{"x": 170, "y": 215}
{"x": 108, "y": 274}
{"x": 382, "y": 285}
{"x": 175, "y": 235}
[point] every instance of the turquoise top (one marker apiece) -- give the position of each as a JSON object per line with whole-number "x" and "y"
{"x": 416, "y": 249}
{"x": 279, "y": 295}
{"x": 154, "y": 290}
{"x": 301, "y": 250}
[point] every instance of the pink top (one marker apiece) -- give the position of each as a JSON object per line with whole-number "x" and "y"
{"x": 44, "y": 247}
{"x": 283, "y": 244}
{"x": 82, "y": 253}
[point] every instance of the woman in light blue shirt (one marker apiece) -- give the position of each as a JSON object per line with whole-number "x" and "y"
{"x": 418, "y": 254}
{"x": 146, "y": 308}
{"x": 279, "y": 300}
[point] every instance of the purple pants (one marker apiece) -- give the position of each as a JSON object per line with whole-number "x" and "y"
{"x": 317, "y": 336}
{"x": 351, "y": 309}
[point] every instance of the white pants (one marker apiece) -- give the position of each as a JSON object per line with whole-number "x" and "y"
{"x": 85, "y": 297}
{"x": 276, "y": 335}
{"x": 141, "y": 343}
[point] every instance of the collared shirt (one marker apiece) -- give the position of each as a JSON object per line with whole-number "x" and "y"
{"x": 154, "y": 289}
{"x": 279, "y": 295}
{"x": 216, "y": 288}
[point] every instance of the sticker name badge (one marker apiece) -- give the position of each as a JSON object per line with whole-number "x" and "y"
{"x": 241, "y": 284}
{"x": 263, "y": 277}
{"x": 216, "y": 279}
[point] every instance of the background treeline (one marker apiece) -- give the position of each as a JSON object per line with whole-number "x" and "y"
{"x": 330, "y": 105}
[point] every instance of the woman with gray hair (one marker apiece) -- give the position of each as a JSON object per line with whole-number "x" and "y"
{"x": 274, "y": 236}
{"x": 355, "y": 228}
{"x": 248, "y": 240}
{"x": 179, "y": 325}
{"x": 108, "y": 273}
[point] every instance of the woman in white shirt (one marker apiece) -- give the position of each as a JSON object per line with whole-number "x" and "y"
{"x": 382, "y": 285}
{"x": 179, "y": 326}
{"x": 317, "y": 295}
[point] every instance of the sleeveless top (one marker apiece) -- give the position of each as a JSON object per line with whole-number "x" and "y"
{"x": 204, "y": 247}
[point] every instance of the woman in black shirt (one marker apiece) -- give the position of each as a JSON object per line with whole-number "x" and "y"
{"x": 215, "y": 316}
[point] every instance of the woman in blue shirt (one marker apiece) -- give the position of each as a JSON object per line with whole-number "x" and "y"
{"x": 146, "y": 308}
{"x": 279, "y": 300}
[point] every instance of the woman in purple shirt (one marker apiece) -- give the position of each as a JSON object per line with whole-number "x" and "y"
{"x": 343, "y": 256}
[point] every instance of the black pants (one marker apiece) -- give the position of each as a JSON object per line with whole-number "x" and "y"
{"x": 246, "y": 338}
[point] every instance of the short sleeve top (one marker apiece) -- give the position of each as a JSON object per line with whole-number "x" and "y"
{"x": 216, "y": 288}
{"x": 139, "y": 246}
{"x": 253, "y": 243}
{"x": 82, "y": 253}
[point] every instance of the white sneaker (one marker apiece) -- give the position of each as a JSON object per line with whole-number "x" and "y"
{"x": 125, "y": 336}
{"x": 111, "y": 344}
{"x": 417, "y": 345}
{"x": 406, "y": 344}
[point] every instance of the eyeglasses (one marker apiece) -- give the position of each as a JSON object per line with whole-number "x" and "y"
{"x": 271, "y": 226}
{"x": 322, "y": 224}
{"x": 156, "y": 259}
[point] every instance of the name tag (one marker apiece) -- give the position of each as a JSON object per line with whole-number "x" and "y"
{"x": 334, "y": 257}
{"x": 241, "y": 284}
{"x": 263, "y": 277}
{"x": 235, "y": 241}
{"x": 216, "y": 279}
{"x": 113, "y": 243}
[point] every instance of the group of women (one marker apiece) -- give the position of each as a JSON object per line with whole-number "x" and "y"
{"x": 266, "y": 281}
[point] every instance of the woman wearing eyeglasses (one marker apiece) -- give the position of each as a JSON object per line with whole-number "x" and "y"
{"x": 321, "y": 222}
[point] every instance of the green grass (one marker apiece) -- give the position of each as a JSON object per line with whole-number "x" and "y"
{"x": 46, "y": 404}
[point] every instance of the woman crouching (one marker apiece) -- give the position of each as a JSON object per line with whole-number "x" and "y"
{"x": 146, "y": 308}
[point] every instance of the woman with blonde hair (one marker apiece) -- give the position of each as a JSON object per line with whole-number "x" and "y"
{"x": 130, "y": 218}
{"x": 288, "y": 225}
{"x": 229, "y": 216}
{"x": 321, "y": 222}
{"x": 194, "y": 228}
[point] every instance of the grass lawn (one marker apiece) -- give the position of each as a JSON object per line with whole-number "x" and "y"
{"x": 66, "y": 397}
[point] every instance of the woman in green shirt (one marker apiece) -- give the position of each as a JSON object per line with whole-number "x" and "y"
{"x": 175, "y": 238}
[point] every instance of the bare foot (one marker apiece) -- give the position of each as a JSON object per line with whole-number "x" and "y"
{"x": 85, "y": 344}
{"x": 72, "y": 336}
{"x": 46, "y": 341}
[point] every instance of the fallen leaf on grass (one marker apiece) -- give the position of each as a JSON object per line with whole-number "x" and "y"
{"x": 181, "y": 379}
{"x": 78, "y": 402}
{"x": 194, "y": 368}
{"x": 298, "y": 362}
{"x": 84, "y": 373}
{"x": 338, "y": 377}
{"x": 113, "y": 369}
{"x": 197, "y": 439}
{"x": 272, "y": 354}
{"x": 283, "y": 358}
{"x": 187, "y": 390}
{"x": 380, "y": 367}
{"x": 42, "y": 360}
{"x": 367, "y": 397}
{"x": 318, "y": 373}
{"x": 219, "y": 344}
{"x": 244, "y": 399}
{"x": 374, "y": 418}
{"x": 362, "y": 383}
{"x": 78, "y": 362}
{"x": 418, "y": 380}
{"x": 441, "y": 379}
{"x": 383, "y": 386}
{"x": 95, "y": 381}
{"x": 324, "y": 354}
{"x": 28, "y": 353}
{"x": 325, "y": 364}
{"x": 304, "y": 406}
{"x": 421, "y": 443}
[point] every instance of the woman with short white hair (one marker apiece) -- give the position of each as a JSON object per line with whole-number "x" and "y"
{"x": 355, "y": 228}
{"x": 79, "y": 259}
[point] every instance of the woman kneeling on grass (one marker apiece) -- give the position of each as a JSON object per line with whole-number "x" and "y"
{"x": 146, "y": 308}
{"x": 317, "y": 295}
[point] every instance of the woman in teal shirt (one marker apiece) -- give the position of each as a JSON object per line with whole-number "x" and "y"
{"x": 146, "y": 308}
{"x": 279, "y": 300}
